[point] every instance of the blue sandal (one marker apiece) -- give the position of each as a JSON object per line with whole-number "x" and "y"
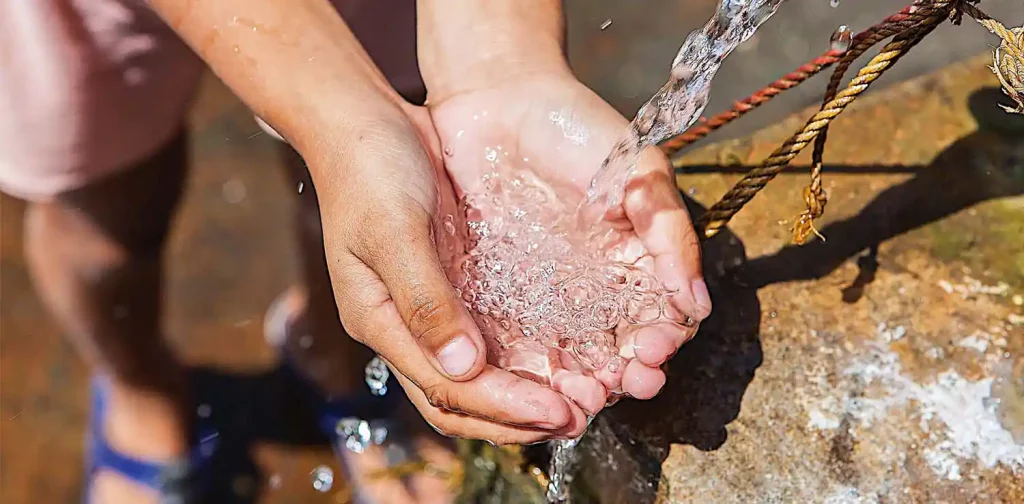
{"x": 178, "y": 481}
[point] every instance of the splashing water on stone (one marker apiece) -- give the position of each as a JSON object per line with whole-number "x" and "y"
{"x": 563, "y": 459}
{"x": 553, "y": 287}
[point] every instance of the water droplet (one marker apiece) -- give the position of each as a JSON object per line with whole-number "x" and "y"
{"x": 604, "y": 26}
{"x": 305, "y": 341}
{"x": 354, "y": 433}
{"x": 841, "y": 39}
{"x": 233, "y": 191}
{"x": 204, "y": 411}
{"x": 615, "y": 364}
{"x": 833, "y": 3}
{"x": 323, "y": 479}
{"x": 302, "y": 186}
{"x": 449, "y": 151}
{"x": 274, "y": 481}
{"x": 376, "y": 375}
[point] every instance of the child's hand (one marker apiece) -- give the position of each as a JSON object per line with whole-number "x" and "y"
{"x": 562, "y": 131}
{"x": 381, "y": 186}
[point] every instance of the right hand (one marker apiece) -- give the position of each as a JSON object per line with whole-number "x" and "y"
{"x": 381, "y": 188}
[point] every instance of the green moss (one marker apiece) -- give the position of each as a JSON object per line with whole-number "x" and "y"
{"x": 988, "y": 238}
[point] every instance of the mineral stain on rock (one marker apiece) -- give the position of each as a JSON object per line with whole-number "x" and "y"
{"x": 893, "y": 380}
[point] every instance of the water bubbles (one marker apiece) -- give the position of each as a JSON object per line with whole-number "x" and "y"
{"x": 841, "y": 39}
{"x": 302, "y": 186}
{"x": 274, "y": 482}
{"x": 833, "y": 3}
{"x": 536, "y": 283}
{"x": 593, "y": 348}
{"x": 354, "y": 433}
{"x": 642, "y": 308}
{"x": 323, "y": 479}
{"x": 449, "y": 151}
{"x": 614, "y": 364}
{"x": 377, "y": 374}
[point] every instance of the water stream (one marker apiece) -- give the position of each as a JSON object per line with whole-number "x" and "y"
{"x": 557, "y": 292}
{"x": 673, "y": 109}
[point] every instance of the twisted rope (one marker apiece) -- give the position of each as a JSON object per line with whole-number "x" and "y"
{"x": 903, "y": 20}
{"x": 814, "y": 194}
{"x": 1008, "y": 59}
{"x": 720, "y": 213}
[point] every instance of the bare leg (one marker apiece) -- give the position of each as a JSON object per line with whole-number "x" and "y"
{"x": 95, "y": 255}
{"x": 310, "y": 331}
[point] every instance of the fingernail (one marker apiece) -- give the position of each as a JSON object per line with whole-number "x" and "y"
{"x": 701, "y": 297}
{"x": 458, "y": 356}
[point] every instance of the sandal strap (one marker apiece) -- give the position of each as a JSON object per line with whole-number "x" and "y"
{"x": 174, "y": 479}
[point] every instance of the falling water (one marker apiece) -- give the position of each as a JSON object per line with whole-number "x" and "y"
{"x": 679, "y": 103}
{"x": 671, "y": 110}
{"x": 560, "y": 471}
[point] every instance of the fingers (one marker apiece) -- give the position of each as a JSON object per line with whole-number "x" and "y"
{"x": 660, "y": 219}
{"x": 406, "y": 260}
{"x": 587, "y": 392}
{"x": 653, "y": 345}
{"x": 493, "y": 394}
{"x": 464, "y": 426}
{"x": 642, "y": 382}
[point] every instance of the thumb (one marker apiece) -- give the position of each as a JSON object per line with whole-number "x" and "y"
{"x": 412, "y": 272}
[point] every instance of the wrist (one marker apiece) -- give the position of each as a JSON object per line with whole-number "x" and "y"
{"x": 483, "y": 44}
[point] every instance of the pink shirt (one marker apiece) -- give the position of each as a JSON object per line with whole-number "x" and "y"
{"x": 88, "y": 87}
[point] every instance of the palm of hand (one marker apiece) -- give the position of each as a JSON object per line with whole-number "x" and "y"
{"x": 558, "y": 132}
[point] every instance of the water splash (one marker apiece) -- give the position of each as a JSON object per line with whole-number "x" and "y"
{"x": 553, "y": 293}
{"x": 560, "y": 471}
{"x": 323, "y": 479}
{"x": 546, "y": 296}
{"x": 679, "y": 103}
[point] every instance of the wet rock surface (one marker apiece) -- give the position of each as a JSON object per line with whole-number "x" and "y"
{"x": 884, "y": 364}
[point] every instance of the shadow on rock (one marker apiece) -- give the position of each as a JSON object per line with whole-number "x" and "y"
{"x": 987, "y": 164}
{"x": 623, "y": 452}
{"x": 624, "y": 448}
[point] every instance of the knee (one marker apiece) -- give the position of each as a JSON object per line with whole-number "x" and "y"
{"x": 56, "y": 239}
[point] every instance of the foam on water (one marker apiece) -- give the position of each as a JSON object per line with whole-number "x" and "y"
{"x": 546, "y": 298}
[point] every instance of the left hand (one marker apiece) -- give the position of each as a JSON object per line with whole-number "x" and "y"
{"x": 565, "y": 131}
